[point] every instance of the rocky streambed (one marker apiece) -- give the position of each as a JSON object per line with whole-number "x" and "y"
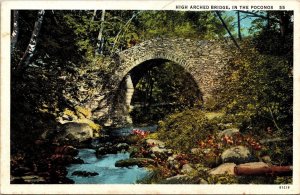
{"x": 127, "y": 156}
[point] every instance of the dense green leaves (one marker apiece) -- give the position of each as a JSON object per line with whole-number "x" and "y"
{"x": 183, "y": 130}
{"x": 260, "y": 88}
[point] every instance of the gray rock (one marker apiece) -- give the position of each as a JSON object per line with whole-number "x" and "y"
{"x": 161, "y": 152}
{"x": 237, "y": 154}
{"x": 156, "y": 149}
{"x": 172, "y": 162}
{"x": 203, "y": 181}
{"x": 122, "y": 146}
{"x": 187, "y": 168}
{"x": 78, "y": 132}
{"x": 228, "y": 132}
{"x": 226, "y": 168}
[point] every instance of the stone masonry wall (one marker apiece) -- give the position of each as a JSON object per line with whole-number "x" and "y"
{"x": 204, "y": 60}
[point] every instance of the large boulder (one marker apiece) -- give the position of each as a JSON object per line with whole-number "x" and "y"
{"x": 237, "y": 154}
{"x": 74, "y": 134}
{"x": 110, "y": 148}
{"x": 106, "y": 150}
{"x": 226, "y": 168}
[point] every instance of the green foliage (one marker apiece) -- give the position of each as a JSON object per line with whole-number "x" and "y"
{"x": 180, "y": 24}
{"x": 260, "y": 89}
{"x": 284, "y": 180}
{"x": 183, "y": 130}
{"x": 152, "y": 136}
{"x": 281, "y": 152}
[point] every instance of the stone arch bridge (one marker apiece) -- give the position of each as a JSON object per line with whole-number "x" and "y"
{"x": 204, "y": 60}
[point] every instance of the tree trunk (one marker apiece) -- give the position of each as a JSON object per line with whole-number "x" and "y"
{"x": 268, "y": 21}
{"x": 100, "y": 41}
{"x": 32, "y": 43}
{"x": 15, "y": 30}
{"x": 284, "y": 23}
{"x": 94, "y": 15}
{"x": 239, "y": 25}
{"x": 124, "y": 27}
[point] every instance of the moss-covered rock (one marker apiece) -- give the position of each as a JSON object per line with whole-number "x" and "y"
{"x": 140, "y": 162}
{"x": 83, "y": 112}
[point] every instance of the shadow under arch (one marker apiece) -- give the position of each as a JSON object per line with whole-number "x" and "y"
{"x": 122, "y": 103}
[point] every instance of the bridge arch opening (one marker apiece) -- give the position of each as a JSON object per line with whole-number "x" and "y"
{"x": 155, "y": 88}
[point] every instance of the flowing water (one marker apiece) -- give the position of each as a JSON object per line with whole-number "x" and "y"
{"x": 105, "y": 166}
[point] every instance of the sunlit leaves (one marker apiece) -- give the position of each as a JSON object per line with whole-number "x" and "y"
{"x": 260, "y": 86}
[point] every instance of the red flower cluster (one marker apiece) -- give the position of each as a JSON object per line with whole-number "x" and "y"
{"x": 237, "y": 139}
{"x": 210, "y": 142}
{"x": 253, "y": 143}
{"x": 140, "y": 133}
{"x": 228, "y": 139}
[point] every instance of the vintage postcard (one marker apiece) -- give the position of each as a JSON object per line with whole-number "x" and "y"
{"x": 150, "y": 97}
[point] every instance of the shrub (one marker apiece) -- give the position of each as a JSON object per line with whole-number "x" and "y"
{"x": 181, "y": 131}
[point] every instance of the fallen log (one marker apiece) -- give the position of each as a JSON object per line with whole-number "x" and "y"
{"x": 265, "y": 170}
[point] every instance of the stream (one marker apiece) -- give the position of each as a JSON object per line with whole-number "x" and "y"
{"x": 105, "y": 166}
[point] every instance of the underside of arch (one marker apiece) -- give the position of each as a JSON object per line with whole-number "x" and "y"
{"x": 123, "y": 95}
